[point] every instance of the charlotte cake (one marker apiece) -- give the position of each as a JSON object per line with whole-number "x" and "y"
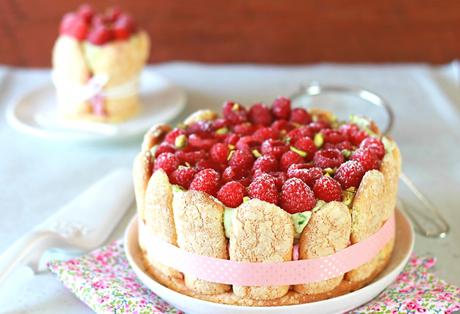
{"x": 266, "y": 185}
{"x": 105, "y": 51}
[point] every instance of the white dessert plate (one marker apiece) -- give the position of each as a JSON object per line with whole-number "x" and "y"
{"x": 402, "y": 251}
{"x": 35, "y": 113}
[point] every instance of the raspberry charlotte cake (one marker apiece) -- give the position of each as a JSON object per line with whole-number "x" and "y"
{"x": 265, "y": 185}
{"x": 97, "y": 59}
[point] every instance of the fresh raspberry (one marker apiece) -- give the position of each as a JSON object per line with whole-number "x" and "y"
{"x": 266, "y": 163}
{"x": 207, "y": 163}
{"x": 374, "y": 145}
{"x": 232, "y": 174}
{"x": 201, "y": 128}
{"x": 245, "y": 128}
{"x": 219, "y": 153}
{"x": 281, "y": 108}
{"x": 348, "y": 130}
{"x": 231, "y": 194}
{"x": 296, "y": 196}
{"x": 260, "y": 114}
{"x": 167, "y": 161}
{"x": 303, "y": 131}
{"x": 163, "y": 148}
{"x": 300, "y": 116}
{"x": 86, "y": 12}
{"x": 280, "y": 178}
{"x": 191, "y": 157}
{"x": 206, "y": 180}
{"x": 182, "y": 176}
{"x": 357, "y": 137}
{"x": 113, "y": 13}
{"x": 265, "y": 133}
{"x": 328, "y": 158}
{"x": 282, "y": 126}
{"x": 241, "y": 159}
{"x": 124, "y": 26}
{"x": 171, "y": 136}
{"x": 306, "y": 145}
{"x": 200, "y": 142}
{"x": 234, "y": 112}
{"x": 74, "y": 25}
{"x": 349, "y": 174}
{"x": 264, "y": 188}
{"x": 327, "y": 189}
{"x": 333, "y": 136}
{"x": 289, "y": 158}
{"x": 367, "y": 158}
{"x": 245, "y": 181}
{"x": 276, "y": 148}
{"x": 305, "y": 172}
{"x": 344, "y": 145}
{"x": 247, "y": 143}
{"x": 231, "y": 139}
{"x": 219, "y": 123}
{"x": 100, "y": 35}
{"x": 317, "y": 126}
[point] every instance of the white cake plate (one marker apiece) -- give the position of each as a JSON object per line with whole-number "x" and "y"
{"x": 403, "y": 248}
{"x": 35, "y": 113}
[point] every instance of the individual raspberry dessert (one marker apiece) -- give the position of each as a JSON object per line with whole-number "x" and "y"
{"x": 264, "y": 184}
{"x": 97, "y": 59}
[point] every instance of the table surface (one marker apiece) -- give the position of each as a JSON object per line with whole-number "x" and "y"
{"x": 38, "y": 176}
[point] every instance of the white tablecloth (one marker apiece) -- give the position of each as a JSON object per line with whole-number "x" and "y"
{"x": 38, "y": 176}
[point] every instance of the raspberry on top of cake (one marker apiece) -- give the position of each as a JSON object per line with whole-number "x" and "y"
{"x": 291, "y": 157}
{"x": 98, "y": 28}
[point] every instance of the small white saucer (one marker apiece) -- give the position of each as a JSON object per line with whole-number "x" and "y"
{"x": 35, "y": 113}
{"x": 402, "y": 251}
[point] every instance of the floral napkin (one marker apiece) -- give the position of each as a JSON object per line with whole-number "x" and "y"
{"x": 104, "y": 280}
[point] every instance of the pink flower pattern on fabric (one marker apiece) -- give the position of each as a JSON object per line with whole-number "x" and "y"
{"x": 104, "y": 280}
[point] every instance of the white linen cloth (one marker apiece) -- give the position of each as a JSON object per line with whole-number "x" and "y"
{"x": 38, "y": 176}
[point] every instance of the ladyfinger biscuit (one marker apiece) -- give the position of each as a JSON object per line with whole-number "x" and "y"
{"x": 142, "y": 171}
{"x": 391, "y": 169}
{"x": 200, "y": 115}
{"x": 367, "y": 217}
{"x": 327, "y": 232}
{"x": 200, "y": 229}
{"x": 154, "y": 136}
{"x": 261, "y": 232}
{"x": 159, "y": 215}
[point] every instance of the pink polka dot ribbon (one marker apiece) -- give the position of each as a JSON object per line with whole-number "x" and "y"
{"x": 268, "y": 274}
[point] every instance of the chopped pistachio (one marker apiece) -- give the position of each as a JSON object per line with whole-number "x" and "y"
{"x": 298, "y": 151}
{"x": 346, "y": 153}
{"x": 180, "y": 141}
{"x": 348, "y": 196}
{"x": 176, "y": 188}
{"x": 222, "y": 131}
{"x": 318, "y": 140}
{"x": 236, "y": 106}
{"x": 388, "y": 144}
{"x": 300, "y": 220}
{"x": 256, "y": 153}
{"x": 153, "y": 150}
{"x": 228, "y": 214}
{"x": 329, "y": 171}
{"x": 181, "y": 126}
{"x": 230, "y": 154}
{"x": 318, "y": 205}
{"x": 246, "y": 198}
